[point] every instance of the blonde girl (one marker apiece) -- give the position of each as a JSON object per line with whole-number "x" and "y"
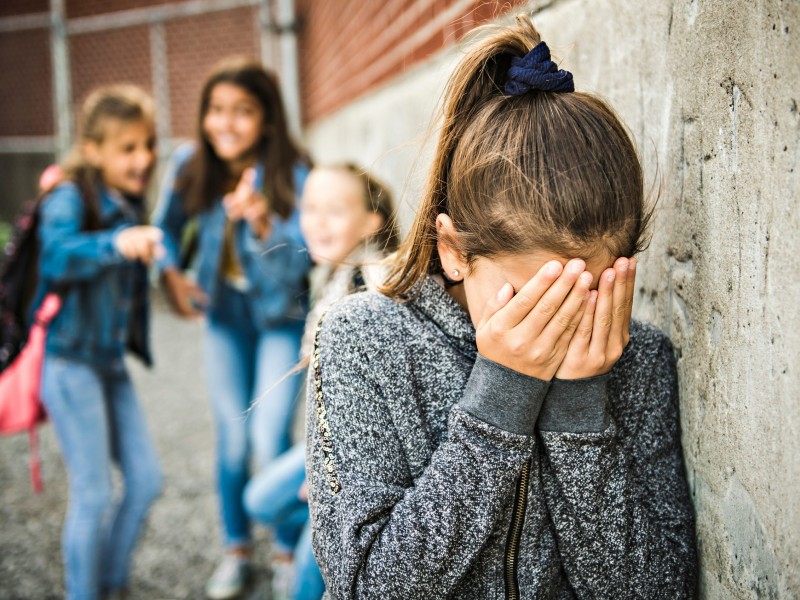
{"x": 347, "y": 219}
{"x": 94, "y": 252}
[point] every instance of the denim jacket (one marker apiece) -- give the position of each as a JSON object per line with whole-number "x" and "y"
{"x": 105, "y": 297}
{"x": 275, "y": 268}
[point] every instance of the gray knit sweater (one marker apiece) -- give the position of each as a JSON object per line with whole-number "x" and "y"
{"x": 436, "y": 473}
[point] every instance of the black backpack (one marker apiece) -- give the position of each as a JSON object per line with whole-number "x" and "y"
{"x": 19, "y": 272}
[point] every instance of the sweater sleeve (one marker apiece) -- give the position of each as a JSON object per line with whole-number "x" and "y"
{"x": 378, "y": 530}
{"x": 621, "y": 508}
{"x": 68, "y": 253}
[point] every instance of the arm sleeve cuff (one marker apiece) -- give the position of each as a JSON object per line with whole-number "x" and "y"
{"x": 503, "y": 397}
{"x": 576, "y": 406}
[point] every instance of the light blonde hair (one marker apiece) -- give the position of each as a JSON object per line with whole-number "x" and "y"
{"x": 122, "y": 102}
{"x": 377, "y": 199}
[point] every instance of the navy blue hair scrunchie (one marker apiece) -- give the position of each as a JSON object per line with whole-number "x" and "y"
{"x": 536, "y": 72}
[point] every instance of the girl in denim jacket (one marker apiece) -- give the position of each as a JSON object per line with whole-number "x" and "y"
{"x": 240, "y": 182}
{"x": 93, "y": 251}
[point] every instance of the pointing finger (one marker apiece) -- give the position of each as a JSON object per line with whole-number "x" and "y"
{"x": 246, "y": 185}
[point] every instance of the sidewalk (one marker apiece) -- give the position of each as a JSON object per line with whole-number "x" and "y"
{"x": 181, "y": 543}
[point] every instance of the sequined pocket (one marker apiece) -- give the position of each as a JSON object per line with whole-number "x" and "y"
{"x": 322, "y": 420}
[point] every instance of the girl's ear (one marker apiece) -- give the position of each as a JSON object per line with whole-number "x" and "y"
{"x": 373, "y": 225}
{"x": 453, "y": 263}
{"x": 91, "y": 151}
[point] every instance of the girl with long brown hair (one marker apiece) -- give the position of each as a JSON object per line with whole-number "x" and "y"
{"x": 241, "y": 181}
{"x": 494, "y": 424}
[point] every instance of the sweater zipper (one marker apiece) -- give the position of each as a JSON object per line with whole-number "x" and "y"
{"x": 515, "y": 532}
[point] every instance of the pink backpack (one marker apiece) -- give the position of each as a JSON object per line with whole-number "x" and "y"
{"x": 20, "y": 385}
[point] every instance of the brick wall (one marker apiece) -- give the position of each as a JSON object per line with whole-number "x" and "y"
{"x": 12, "y": 8}
{"x": 114, "y": 56}
{"x": 86, "y": 8}
{"x": 346, "y": 48}
{"x": 194, "y": 45}
{"x": 351, "y": 46}
{"x": 26, "y": 88}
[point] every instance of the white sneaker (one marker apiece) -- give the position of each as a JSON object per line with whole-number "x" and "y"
{"x": 282, "y": 579}
{"x": 229, "y": 578}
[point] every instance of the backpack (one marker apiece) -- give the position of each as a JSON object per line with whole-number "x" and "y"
{"x": 18, "y": 280}
{"x": 21, "y": 347}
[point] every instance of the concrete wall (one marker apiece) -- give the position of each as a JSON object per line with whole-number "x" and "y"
{"x": 710, "y": 90}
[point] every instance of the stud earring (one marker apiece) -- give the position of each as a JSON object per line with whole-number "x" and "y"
{"x": 455, "y": 273}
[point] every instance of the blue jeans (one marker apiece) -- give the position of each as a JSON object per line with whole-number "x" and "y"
{"x": 98, "y": 421}
{"x": 252, "y": 397}
{"x": 272, "y": 499}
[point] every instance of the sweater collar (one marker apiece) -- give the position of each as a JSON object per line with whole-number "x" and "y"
{"x": 438, "y": 306}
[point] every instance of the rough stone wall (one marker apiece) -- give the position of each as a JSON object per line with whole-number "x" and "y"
{"x": 710, "y": 90}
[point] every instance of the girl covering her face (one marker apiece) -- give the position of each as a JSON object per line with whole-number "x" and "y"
{"x": 494, "y": 424}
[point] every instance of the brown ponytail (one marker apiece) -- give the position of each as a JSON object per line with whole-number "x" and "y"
{"x": 538, "y": 171}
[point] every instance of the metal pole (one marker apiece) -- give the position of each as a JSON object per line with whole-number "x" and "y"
{"x": 265, "y": 32}
{"x": 62, "y": 105}
{"x": 160, "y": 75}
{"x": 290, "y": 81}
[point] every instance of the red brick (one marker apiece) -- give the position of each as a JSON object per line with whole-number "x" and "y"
{"x": 85, "y": 8}
{"x": 113, "y": 56}
{"x": 339, "y": 49}
{"x": 26, "y": 88}
{"x": 194, "y": 46}
{"x": 11, "y": 8}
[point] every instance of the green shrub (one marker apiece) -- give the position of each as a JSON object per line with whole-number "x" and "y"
{"x": 5, "y": 234}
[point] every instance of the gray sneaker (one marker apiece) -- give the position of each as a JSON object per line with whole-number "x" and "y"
{"x": 229, "y": 578}
{"x": 282, "y": 579}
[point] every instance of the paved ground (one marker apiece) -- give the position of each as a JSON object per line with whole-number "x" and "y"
{"x": 181, "y": 543}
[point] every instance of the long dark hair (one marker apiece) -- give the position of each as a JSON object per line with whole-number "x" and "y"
{"x": 537, "y": 171}
{"x": 206, "y": 176}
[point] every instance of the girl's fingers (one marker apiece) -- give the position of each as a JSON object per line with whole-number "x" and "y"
{"x": 255, "y": 211}
{"x": 498, "y": 301}
{"x": 579, "y": 333}
{"x": 244, "y": 189}
{"x": 569, "y": 313}
{"x": 603, "y": 318}
{"x": 247, "y": 182}
{"x": 578, "y": 344}
{"x": 548, "y": 309}
{"x": 619, "y": 296}
{"x": 631, "y": 290}
{"x": 528, "y": 296}
{"x": 197, "y": 295}
{"x": 583, "y": 335}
